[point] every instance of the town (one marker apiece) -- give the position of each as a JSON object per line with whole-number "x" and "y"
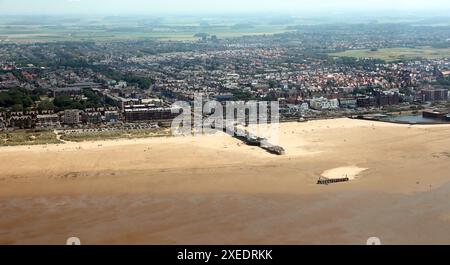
{"x": 63, "y": 85}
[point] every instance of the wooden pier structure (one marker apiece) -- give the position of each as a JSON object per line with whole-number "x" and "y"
{"x": 327, "y": 181}
{"x": 253, "y": 140}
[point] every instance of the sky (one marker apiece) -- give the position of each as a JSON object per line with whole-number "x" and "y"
{"x": 118, "y": 7}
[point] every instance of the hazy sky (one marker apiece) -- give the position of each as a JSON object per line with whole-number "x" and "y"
{"x": 190, "y": 6}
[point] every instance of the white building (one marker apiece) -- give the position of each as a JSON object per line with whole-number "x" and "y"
{"x": 299, "y": 108}
{"x": 324, "y": 104}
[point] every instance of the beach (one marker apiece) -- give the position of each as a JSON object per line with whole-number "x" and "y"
{"x": 217, "y": 190}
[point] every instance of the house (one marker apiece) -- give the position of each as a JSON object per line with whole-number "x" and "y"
{"x": 47, "y": 120}
{"x": 297, "y": 108}
{"x": 22, "y": 122}
{"x": 91, "y": 117}
{"x": 445, "y": 73}
{"x": 2, "y": 123}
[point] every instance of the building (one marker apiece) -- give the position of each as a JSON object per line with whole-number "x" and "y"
{"x": 22, "y": 122}
{"x": 2, "y": 123}
{"x": 430, "y": 95}
{"x": 152, "y": 101}
{"x": 69, "y": 91}
{"x": 82, "y": 85}
{"x": 434, "y": 114}
{"x": 91, "y": 117}
{"x": 387, "y": 98}
{"x": 112, "y": 116}
{"x": 365, "y": 102}
{"x": 45, "y": 120}
{"x": 121, "y": 102}
{"x": 323, "y": 103}
{"x": 142, "y": 113}
{"x": 296, "y": 108}
{"x": 72, "y": 117}
{"x": 445, "y": 73}
{"x": 224, "y": 97}
{"x": 348, "y": 103}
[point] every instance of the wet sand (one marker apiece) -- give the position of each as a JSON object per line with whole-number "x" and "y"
{"x": 216, "y": 190}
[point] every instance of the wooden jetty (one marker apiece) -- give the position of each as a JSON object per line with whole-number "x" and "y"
{"x": 327, "y": 181}
{"x": 253, "y": 140}
{"x": 273, "y": 149}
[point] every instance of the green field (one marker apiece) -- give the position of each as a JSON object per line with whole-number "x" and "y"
{"x": 44, "y": 35}
{"x": 123, "y": 28}
{"x": 393, "y": 54}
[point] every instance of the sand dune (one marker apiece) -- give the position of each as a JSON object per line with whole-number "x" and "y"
{"x": 214, "y": 189}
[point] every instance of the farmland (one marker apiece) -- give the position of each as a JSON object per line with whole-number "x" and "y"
{"x": 107, "y": 29}
{"x": 393, "y": 54}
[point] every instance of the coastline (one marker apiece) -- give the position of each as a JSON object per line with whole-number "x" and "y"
{"x": 216, "y": 190}
{"x": 123, "y": 140}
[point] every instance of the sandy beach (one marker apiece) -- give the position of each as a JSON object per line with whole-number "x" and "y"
{"x": 217, "y": 190}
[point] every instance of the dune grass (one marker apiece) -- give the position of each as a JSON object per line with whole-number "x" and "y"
{"x": 28, "y": 137}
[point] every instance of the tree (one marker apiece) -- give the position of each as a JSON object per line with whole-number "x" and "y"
{"x": 273, "y": 84}
{"x": 16, "y": 96}
{"x": 94, "y": 100}
{"x": 64, "y": 102}
{"x": 17, "y": 108}
{"x": 271, "y": 96}
{"x": 443, "y": 81}
{"x": 242, "y": 95}
{"x": 45, "y": 105}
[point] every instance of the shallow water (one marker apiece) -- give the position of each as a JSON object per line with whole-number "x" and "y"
{"x": 414, "y": 119}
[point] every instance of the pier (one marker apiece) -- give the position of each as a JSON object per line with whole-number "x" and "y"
{"x": 326, "y": 181}
{"x": 253, "y": 140}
